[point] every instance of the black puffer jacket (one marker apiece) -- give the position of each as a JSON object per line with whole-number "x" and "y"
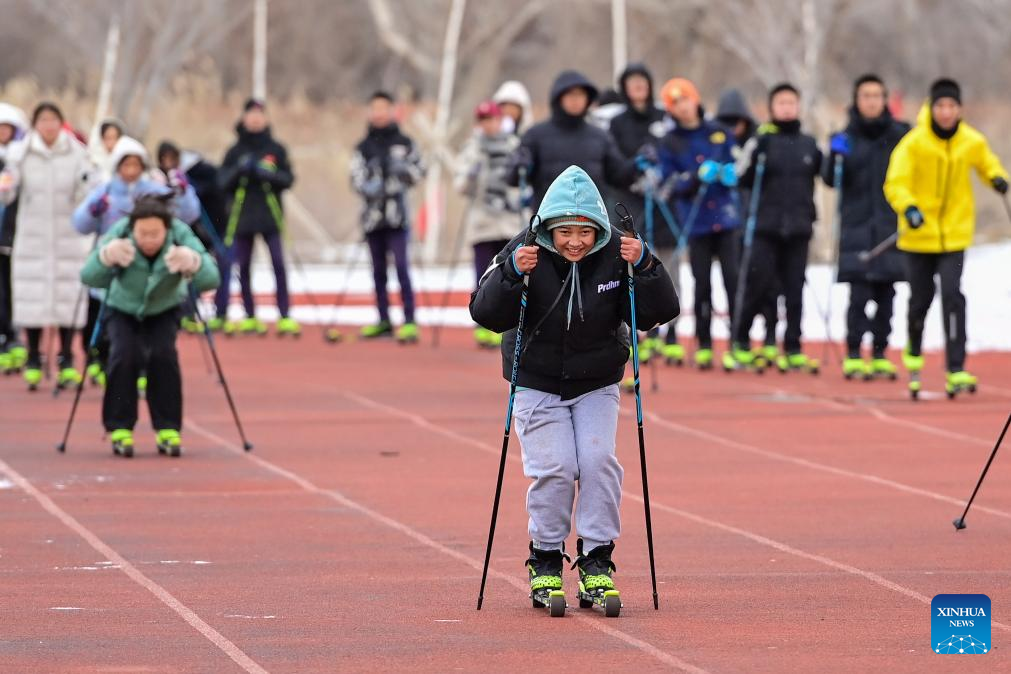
{"x": 565, "y": 140}
{"x": 631, "y": 130}
{"x": 866, "y": 219}
{"x": 793, "y": 161}
{"x": 592, "y": 352}
{"x": 258, "y": 161}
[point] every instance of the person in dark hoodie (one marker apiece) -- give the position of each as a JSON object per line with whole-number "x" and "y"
{"x": 384, "y": 167}
{"x": 861, "y": 153}
{"x": 567, "y": 139}
{"x": 573, "y": 355}
{"x": 638, "y": 126}
{"x": 784, "y": 224}
{"x": 698, "y": 171}
{"x": 732, "y": 111}
{"x": 253, "y": 174}
{"x": 212, "y": 226}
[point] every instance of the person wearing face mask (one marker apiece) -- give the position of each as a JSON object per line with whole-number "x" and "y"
{"x": 142, "y": 263}
{"x": 861, "y": 152}
{"x": 513, "y": 100}
{"x": 784, "y": 224}
{"x": 48, "y": 172}
{"x": 928, "y": 186}
{"x": 13, "y": 125}
{"x": 573, "y": 355}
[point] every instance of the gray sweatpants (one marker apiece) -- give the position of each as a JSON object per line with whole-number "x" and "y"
{"x": 564, "y": 441}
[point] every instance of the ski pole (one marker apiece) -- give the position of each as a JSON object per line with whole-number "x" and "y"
{"x": 517, "y": 351}
{"x": 92, "y": 343}
{"x": 246, "y": 445}
{"x": 960, "y": 522}
{"x": 629, "y": 226}
{"x": 749, "y": 239}
{"x": 453, "y": 262}
{"x": 837, "y": 178}
{"x": 654, "y": 385}
{"x": 866, "y": 256}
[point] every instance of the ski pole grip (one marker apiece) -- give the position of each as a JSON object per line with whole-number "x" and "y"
{"x": 531, "y": 237}
{"x": 627, "y": 224}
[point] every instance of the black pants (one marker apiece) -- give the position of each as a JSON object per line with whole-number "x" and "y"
{"x": 134, "y": 346}
{"x": 7, "y": 334}
{"x": 724, "y": 246}
{"x": 66, "y": 358}
{"x": 775, "y": 259}
{"x": 921, "y": 269}
{"x": 100, "y": 354}
{"x": 858, "y": 323}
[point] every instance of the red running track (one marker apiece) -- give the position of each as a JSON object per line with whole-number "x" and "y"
{"x": 801, "y": 523}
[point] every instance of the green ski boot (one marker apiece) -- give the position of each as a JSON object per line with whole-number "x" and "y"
{"x": 797, "y": 362}
{"x": 122, "y": 442}
{"x": 68, "y": 377}
{"x": 288, "y": 327}
{"x": 545, "y": 569}
{"x": 596, "y": 585}
{"x": 17, "y": 359}
{"x": 380, "y": 329}
{"x": 959, "y": 382}
{"x": 216, "y": 324}
{"x": 744, "y": 359}
{"x": 704, "y": 359}
{"x": 673, "y": 354}
{"x": 483, "y": 338}
{"x": 914, "y": 364}
{"x": 884, "y": 368}
{"x": 170, "y": 443}
{"x": 253, "y": 326}
{"x": 142, "y": 386}
{"x": 33, "y": 377}
{"x": 856, "y": 368}
{"x": 408, "y": 333}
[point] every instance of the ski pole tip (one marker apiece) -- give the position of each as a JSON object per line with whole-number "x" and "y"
{"x": 248, "y": 446}
{"x": 480, "y": 600}
{"x": 61, "y": 448}
{"x": 959, "y": 523}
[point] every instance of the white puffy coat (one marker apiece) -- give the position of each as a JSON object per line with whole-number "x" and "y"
{"x": 48, "y": 253}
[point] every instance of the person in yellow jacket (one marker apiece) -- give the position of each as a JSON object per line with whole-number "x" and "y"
{"x": 928, "y": 186}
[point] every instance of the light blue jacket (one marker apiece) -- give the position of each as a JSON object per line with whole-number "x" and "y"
{"x": 121, "y": 195}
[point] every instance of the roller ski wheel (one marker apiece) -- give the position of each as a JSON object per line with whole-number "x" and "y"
{"x": 596, "y": 587}
{"x": 673, "y": 354}
{"x": 288, "y": 327}
{"x": 407, "y": 334}
{"x": 553, "y": 600}
{"x": 122, "y": 443}
{"x": 376, "y": 331}
{"x": 332, "y": 336}
{"x": 170, "y": 443}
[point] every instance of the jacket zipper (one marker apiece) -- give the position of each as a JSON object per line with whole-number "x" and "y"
{"x": 944, "y": 193}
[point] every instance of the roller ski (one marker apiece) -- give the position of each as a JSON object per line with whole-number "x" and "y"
{"x": 857, "y": 368}
{"x": 217, "y": 324}
{"x": 959, "y": 382}
{"x": 33, "y": 377}
{"x": 288, "y": 327}
{"x": 228, "y": 328}
{"x": 122, "y": 443}
{"x": 797, "y": 362}
{"x": 407, "y": 334}
{"x": 487, "y": 339}
{"x": 332, "y": 336}
{"x": 882, "y": 368}
{"x": 704, "y": 359}
{"x": 738, "y": 359}
{"x": 191, "y": 326}
{"x": 142, "y": 386}
{"x": 673, "y": 354}
{"x": 596, "y": 587}
{"x": 545, "y": 569}
{"x": 376, "y": 331}
{"x": 252, "y": 326}
{"x": 67, "y": 377}
{"x": 17, "y": 358}
{"x": 914, "y": 365}
{"x": 170, "y": 443}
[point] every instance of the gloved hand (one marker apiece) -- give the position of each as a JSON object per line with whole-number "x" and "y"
{"x": 182, "y": 260}
{"x": 648, "y": 154}
{"x": 117, "y": 253}
{"x": 840, "y": 144}
{"x": 247, "y": 164}
{"x": 709, "y": 172}
{"x": 398, "y": 168}
{"x": 728, "y": 175}
{"x": 999, "y": 184}
{"x": 914, "y": 217}
{"x": 177, "y": 181}
{"x": 99, "y": 207}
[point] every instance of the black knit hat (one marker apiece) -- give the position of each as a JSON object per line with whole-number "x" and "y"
{"x": 781, "y": 87}
{"x": 253, "y": 103}
{"x": 383, "y": 94}
{"x": 945, "y": 88}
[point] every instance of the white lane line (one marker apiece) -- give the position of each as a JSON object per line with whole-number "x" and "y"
{"x": 814, "y": 465}
{"x": 163, "y": 595}
{"x": 414, "y": 534}
{"x": 756, "y": 538}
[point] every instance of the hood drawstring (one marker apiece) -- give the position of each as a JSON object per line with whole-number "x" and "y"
{"x": 574, "y": 292}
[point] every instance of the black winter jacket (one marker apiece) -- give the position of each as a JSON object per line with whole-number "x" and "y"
{"x": 258, "y": 161}
{"x": 592, "y": 352}
{"x": 866, "y": 219}
{"x": 793, "y": 161}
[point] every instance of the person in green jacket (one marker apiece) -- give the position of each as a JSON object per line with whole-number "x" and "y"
{"x": 144, "y": 262}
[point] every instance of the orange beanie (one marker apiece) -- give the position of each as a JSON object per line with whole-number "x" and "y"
{"x": 676, "y": 88}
